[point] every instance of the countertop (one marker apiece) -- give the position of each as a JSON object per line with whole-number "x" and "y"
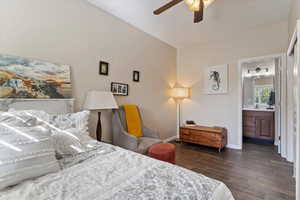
{"x": 259, "y": 109}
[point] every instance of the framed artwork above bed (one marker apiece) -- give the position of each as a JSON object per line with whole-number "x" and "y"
{"x": 33, "y": 79}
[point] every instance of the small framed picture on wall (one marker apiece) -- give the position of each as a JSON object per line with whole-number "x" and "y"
{"x": 216, "y": 79}
{"x": 136, "y": 76}
{"x": 120, "y": 89}
{"x": 103, "y": 68}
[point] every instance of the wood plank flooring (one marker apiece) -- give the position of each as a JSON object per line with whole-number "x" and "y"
{"x": 255, "y": 173}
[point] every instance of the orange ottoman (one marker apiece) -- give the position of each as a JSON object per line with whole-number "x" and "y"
{"x": 164, "y": 152}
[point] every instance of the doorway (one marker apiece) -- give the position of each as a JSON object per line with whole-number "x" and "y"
{"x": 261, "y": 106}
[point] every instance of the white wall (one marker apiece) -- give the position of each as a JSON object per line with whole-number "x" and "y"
{"x": 222, "y": 110}
{"x": 294, "y": 15}
{"x": 74, "y": 32}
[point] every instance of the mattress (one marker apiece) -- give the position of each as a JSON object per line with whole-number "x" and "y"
{"x": 109, "y": 172}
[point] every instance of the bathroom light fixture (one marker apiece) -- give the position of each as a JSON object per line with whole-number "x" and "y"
{"x": 258, "y": 69}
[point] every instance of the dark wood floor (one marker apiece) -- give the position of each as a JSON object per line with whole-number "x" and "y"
{"x": 255, "y": 173}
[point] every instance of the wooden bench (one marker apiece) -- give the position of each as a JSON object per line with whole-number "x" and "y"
{"x": 208, "y": 136}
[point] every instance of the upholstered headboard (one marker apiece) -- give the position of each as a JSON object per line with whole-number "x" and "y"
{"x": 52, "y": 106}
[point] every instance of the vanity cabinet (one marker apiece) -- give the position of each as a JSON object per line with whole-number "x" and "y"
{"x": 259, "y": 124}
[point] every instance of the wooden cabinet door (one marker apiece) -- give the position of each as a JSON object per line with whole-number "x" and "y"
{"x": 257, "y": 127}
{"x": 249, "y": 126}
{"x": 264, "y": 127}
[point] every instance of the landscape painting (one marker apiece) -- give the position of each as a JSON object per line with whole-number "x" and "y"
{"x": 35, "y": 79}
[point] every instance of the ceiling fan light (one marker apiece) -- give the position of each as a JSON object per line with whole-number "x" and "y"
{"x": 195, "y": 6}
{"x": 207, "y": 2}
{"x": 189, "y": 2}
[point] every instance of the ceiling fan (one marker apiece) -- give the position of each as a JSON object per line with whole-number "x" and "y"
{"x": 197, "y": 6}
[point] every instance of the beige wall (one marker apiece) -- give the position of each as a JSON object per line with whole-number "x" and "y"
{"x": 222, "y": 110}
{"x": 294, "y": 15}
{"x": 74, "y": 32}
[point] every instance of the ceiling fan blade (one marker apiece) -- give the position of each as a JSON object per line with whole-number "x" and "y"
{"x": 167, "y": 6}
{"x": 198, "y": 16}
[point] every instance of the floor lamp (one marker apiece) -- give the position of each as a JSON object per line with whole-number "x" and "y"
{"x": 97, "y": 101}
{"x": 179, "y": 94}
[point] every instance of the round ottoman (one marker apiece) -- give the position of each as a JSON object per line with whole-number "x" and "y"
{"x": 164, "y": 152}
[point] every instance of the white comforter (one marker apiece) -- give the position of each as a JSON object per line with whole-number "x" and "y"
{"x": 113, "y": 173}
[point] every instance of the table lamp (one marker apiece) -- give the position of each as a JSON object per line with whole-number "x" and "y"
{"x": 97, "y": 101}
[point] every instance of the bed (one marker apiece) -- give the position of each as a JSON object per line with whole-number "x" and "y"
{"x": 109, "y": 172}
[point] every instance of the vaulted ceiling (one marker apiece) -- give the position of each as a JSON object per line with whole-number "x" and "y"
{"x": 175, "y": 26}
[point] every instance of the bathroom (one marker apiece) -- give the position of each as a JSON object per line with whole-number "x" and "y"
{"x": 259, "y": 90}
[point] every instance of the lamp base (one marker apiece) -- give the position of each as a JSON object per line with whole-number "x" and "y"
{"x": 99, "y": 128}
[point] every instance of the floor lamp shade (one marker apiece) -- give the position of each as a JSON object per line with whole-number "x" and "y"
{"x": 180, "y": 93}
{"x": 99, "y": 100}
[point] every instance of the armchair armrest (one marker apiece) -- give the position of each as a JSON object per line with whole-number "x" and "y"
{"x": 128, "y": 141}
{"x": 120, "y": 137}
{"x": 150, "y": 133}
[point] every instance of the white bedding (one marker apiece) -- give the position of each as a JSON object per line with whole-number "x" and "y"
{"x": 113, "y": 173}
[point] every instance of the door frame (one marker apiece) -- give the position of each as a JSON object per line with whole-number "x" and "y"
{"x": 280, "y": 132}
{"x": 294, "y": 43}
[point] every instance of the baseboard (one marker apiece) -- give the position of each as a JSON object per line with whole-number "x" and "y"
{"x": 230, "y": 146}
{"x": 170, "y": 139}
{"x": 234, "y": 146}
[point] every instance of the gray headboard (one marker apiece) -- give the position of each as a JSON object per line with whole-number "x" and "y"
{"x": 52, "y": 106}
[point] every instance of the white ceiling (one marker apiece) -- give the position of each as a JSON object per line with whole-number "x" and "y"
{"x": 175, "y": 26}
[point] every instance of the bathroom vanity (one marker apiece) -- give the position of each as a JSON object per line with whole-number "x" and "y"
{"x": 259, "y": 124}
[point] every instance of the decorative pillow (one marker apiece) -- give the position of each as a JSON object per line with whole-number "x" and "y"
{"x": 25, "y": 152}
{"x": 69, "y": 131}
{"x": 72, "y": 141}
{"x": 26, "y": 118}
{"x": 77, "y": 121}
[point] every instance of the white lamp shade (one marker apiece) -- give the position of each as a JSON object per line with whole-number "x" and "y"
{"x": 99, "y": 100}
{"x": 180, "y": 93}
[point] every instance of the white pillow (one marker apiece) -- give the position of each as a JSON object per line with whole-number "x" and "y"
{"x": 69, "y": 131}
{"x": 26, "y": 118}
{"x": 25, "y": 152}
{"x": 77, "y": 121}
{"x": 71, "y": 142}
